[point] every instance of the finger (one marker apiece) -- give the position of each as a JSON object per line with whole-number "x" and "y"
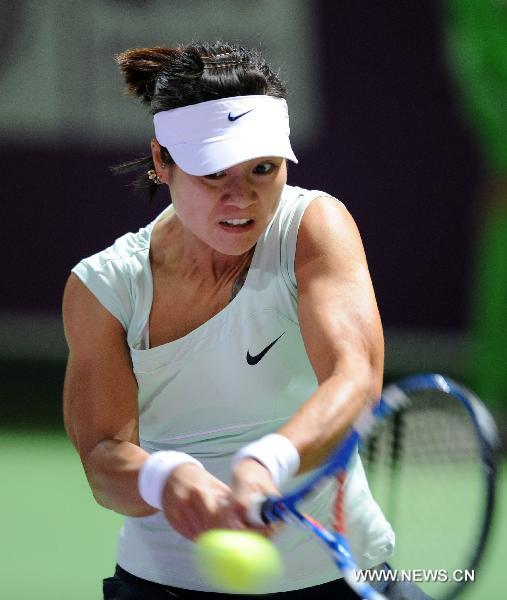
{"x": 213, "y": 511}
{"x": 182, "y": 525}
{"x": 227, "y": 517}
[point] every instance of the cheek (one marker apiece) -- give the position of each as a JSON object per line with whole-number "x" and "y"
{"x": 192, "y": 216}
{"x": 281, "y": 179}
{"x": 278, "y": 187}
{"x": 189, "y": 204}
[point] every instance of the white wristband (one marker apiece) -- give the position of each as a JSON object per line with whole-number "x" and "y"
{"x": 155, "y": 471}
{"x": 276, "y": 452}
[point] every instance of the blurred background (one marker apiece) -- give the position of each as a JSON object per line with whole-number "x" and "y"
{"x": 397, "y": 108}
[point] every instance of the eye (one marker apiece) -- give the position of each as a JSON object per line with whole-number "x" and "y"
{"x": 264, "y": 168}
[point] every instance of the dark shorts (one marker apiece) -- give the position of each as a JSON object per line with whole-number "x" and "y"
{"x": 124, "y": 586}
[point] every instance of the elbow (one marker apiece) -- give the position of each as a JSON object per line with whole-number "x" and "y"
{"x": 372, "y": 379}
{"x": 113, "y": 480}
{"x": 371, "y": 360}
{"x": 97, "y": 483}
{"x": 364, "y": 373}
{"x": 120, "y": 503}
{"x": 100, "y": 498}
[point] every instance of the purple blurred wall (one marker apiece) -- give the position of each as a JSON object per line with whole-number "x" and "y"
{"x": 393, "y": 148}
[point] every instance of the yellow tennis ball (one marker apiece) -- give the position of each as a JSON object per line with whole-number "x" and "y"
{"x": 237, "y": 561}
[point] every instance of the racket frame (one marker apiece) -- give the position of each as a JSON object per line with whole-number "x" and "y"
{"x": 393, "y": 398}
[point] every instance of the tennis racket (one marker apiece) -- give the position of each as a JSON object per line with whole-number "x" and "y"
{"x": 430, "y": 449}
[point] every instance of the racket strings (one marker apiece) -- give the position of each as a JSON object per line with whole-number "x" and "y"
{"x": 424, "y": 469}
{"x": 429, "y": 432}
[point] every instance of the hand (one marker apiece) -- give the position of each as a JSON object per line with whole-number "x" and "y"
{"x": 251, "y": 479}
{"x": 195, "y": 501}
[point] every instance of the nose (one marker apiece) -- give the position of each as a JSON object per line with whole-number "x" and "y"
{"x": 239, "y": 191}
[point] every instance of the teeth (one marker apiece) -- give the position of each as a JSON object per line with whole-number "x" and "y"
{"x": 236, "y": 221}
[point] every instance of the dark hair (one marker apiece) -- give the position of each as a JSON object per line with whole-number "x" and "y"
{"x": 167, "y": 78}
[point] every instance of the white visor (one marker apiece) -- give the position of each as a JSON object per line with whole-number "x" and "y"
{"x": 212, "y": 136}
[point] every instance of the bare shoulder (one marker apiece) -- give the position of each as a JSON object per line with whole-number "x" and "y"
{"x": 327, "y": 229}
{"x": 327, "y": 208}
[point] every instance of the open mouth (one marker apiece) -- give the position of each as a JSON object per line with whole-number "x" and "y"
{"x": 240, "y": 224}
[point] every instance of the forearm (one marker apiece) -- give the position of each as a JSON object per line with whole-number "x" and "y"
{"x": 112, "y": 469}
{"x": 320, "y": 423}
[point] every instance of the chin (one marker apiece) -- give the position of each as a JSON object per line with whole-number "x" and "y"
{"x": 235, "y": 249}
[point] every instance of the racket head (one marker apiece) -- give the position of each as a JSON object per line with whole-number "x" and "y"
{"x": 435, "y": 441}
{"x": 432, "y": 468}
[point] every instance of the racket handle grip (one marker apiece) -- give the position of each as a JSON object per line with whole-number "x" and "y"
{"x": 262, "y": 511}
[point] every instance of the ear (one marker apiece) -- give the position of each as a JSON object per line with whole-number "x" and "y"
{"x": 161, "y": 167}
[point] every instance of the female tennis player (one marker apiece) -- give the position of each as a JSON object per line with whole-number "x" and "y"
{"x": 228, "y": 345}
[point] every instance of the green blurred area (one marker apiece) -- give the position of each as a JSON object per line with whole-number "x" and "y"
{"x": 476, "y": 47}
{"x": 57, "y": 543}
{"x": 476, "y": 44}
{"x": 488, "y": 319}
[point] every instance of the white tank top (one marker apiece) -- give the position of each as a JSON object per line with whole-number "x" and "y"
{"x": 199, "y": 395}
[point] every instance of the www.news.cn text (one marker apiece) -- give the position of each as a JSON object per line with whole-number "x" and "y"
{"x": 415, "y": 575}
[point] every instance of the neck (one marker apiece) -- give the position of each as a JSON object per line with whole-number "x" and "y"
{"x": 178, "y": 249}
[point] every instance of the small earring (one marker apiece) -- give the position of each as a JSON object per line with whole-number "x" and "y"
{"x": 152, "y": 176}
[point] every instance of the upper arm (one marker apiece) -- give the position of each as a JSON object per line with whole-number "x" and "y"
{"x": 337, "y": 310}
{"x": 100, "y": 391}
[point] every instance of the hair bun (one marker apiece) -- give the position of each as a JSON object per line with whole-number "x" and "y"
{"x": 141, "y": 66}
